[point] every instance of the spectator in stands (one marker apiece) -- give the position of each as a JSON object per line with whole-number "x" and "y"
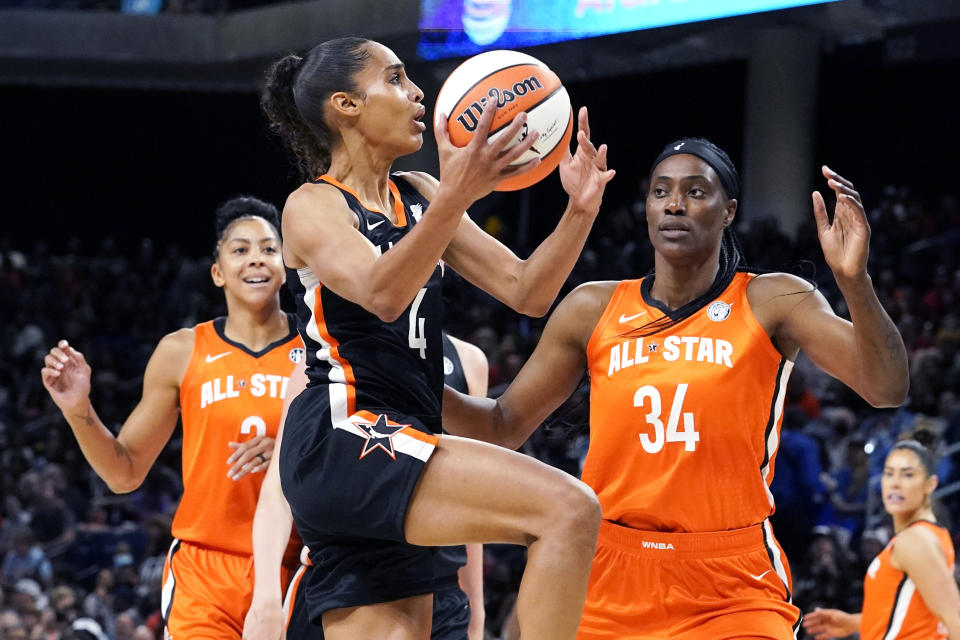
{"x": 848, "y": 487}
{"x": 823, "y": 576}
{"x": 797, "y": 485}
{"x": 25, "y": 559}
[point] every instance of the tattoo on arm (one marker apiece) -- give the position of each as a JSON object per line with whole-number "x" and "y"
{"x": 122, "y": 452}
{"x": 88, "y": 419}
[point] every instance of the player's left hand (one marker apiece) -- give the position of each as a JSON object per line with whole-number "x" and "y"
{"x": 846, "y": 239}
{"x": 263, "y": 622}
{"x": 584, "y": 173}
{"x": 251, "y": 456}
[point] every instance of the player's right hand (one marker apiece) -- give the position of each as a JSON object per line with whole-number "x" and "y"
{"x": 828, "y": 623}
{"x": 471, "y": 172}
{"x": 66, "y": 376}
{"x": 263, "y": 622}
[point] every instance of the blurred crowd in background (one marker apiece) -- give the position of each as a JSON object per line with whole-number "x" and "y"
{"x": 77, "y": 561}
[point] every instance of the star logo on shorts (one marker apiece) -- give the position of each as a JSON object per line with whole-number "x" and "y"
{"x": 380, "y": 434}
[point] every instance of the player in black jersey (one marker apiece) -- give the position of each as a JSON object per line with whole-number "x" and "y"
{"x": 371, "y": 483}
{"x": 458, "y": 612}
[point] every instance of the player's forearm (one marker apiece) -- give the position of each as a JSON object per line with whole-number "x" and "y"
{"x": 471, "y": 581}
{"x": 272, "y": 524}
{"x": 853, "y": 622}
{"x": 398, "y": 274}
{"x": 108, "y": 457}
{"x": 478, "y": 419}
{"x": 548, "y": 267}
{"x": 881, "y": 354}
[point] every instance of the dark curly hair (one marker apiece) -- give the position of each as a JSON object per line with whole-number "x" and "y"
{"x": 242, "y": 208}
{"x": 296, "y": 91}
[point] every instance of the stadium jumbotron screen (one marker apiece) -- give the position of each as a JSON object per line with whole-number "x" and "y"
{"x": 450, "y": 28}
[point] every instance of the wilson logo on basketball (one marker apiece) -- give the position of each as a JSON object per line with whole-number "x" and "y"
{"x": 471, "y": 115}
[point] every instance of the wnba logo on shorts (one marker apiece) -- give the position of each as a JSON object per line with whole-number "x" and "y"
{"x": 660, "y": 546}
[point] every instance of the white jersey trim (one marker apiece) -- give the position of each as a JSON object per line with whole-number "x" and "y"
{"x": 773, "y": 440}
{"x": 900, "y": 608}
{"x": 338, "y": 379}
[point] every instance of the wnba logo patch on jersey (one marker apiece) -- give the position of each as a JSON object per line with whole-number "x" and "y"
{"x": 297, "y": 354}
{"x": 718, "y": 311}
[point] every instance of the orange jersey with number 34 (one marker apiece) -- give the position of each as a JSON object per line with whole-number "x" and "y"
{"x": 228, "y": 394}
{"x": 684, "y": 424}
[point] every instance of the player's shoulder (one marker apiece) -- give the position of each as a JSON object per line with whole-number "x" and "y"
{"x": 773, "y": 296}
{"x": 178, "y": 341}
{"x": 915, "y": 546}
{"x": 173, "y": 354}
{"x": 580, "y": 311}
{"x": 921, "y": 533}
{"x": 769, "y": 285}
{"x": 591, "y": 296}
{"x": 312, "y": 199}
{"x": 422, "y": 181}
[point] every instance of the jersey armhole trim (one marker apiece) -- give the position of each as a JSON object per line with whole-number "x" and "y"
{"x": 622, "y": 287}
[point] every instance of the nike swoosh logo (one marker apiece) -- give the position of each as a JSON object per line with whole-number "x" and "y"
{"x": 211, "y": 358}
{"x": 374, "y": 225}
{"x": 760, "y": 577}
{"x": 625, "y": 318}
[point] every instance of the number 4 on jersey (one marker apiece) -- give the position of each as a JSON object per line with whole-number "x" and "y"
{"x": 689, "y": 436}
{"x": 416, "y": 337}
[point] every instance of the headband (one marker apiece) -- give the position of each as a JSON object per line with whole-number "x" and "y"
{"x": 709, "y": 154}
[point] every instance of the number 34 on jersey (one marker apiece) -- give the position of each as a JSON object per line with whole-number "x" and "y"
{"x": 648, "y": 397}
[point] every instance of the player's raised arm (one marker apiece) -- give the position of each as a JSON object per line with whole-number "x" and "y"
{"x": 866, "y": 353}
{"x": 122, "y": 461}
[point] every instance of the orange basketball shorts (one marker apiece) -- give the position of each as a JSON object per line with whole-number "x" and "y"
{"x": 206, "y": 593}
{"x": 685, "y": 586}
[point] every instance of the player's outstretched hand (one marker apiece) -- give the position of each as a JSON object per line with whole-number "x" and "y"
{"x": 471, "y": 172}
{"x": 250, "y": 456}
{"x": 264, "y": 621}
{"x": 66, "y": 376}
{"x": 584, "y": 173}
{"x": 846, "y": 238}
{"x": 829, "y": 623}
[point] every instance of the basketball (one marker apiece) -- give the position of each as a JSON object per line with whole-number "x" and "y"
{"x": 517, "y": 82}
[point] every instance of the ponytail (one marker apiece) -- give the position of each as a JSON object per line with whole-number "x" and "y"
{"x": 296, "y": 91}
{"x": 280, "y": 108}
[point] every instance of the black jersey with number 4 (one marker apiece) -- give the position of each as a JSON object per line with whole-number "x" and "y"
{"x": 366, "y": 363}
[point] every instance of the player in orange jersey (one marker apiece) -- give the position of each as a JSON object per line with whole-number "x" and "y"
{"x": 227, "y": 378}
{"x": 688, "y": 370}
{"x": 372, "y": 484}
{"x": 909, "y": 592}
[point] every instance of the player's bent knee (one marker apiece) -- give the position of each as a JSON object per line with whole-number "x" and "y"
{"x": 576, "y": 514}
